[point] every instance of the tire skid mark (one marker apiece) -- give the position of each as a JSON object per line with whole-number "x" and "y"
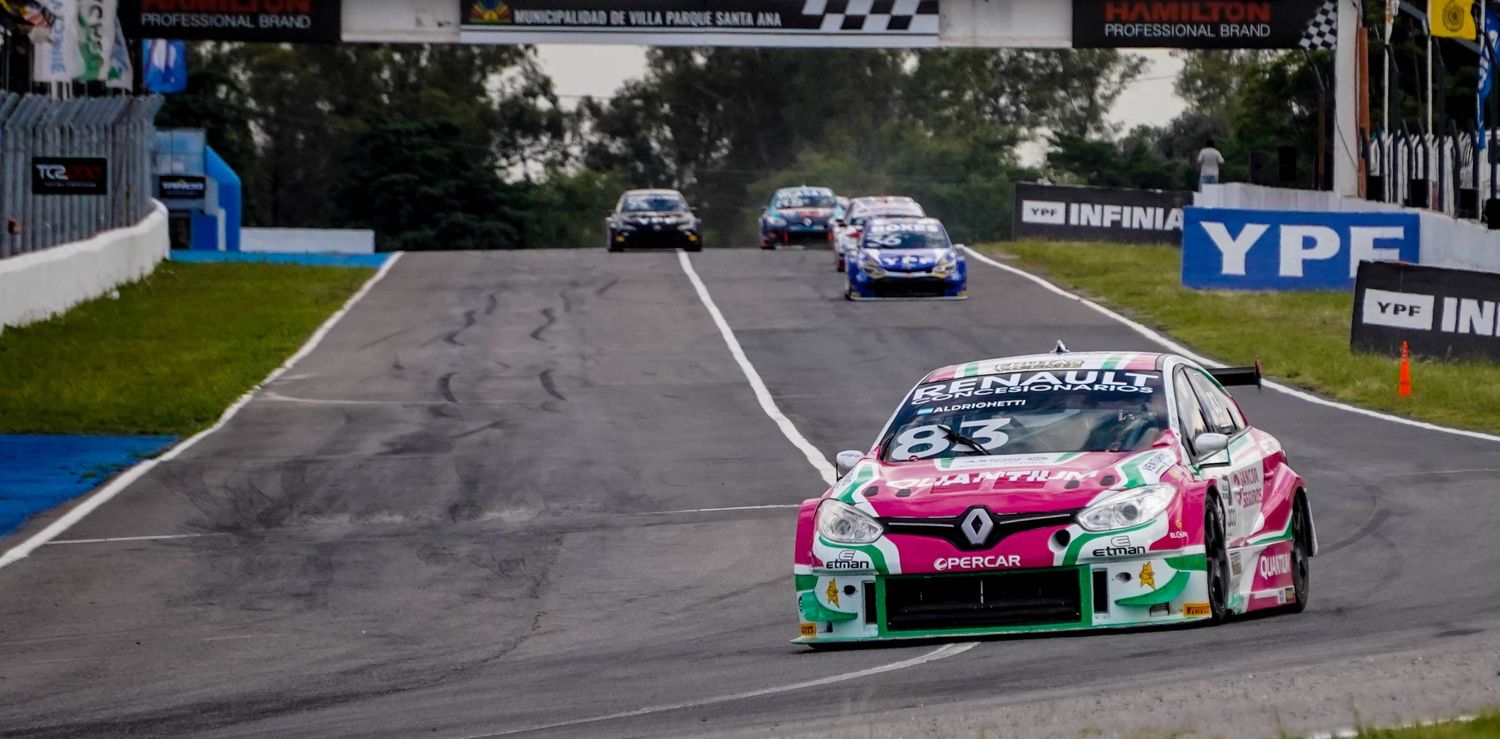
{"x": 470, "y": 318}
{"x": 551, "y": 318}
{"x": 1375, "y": 522}
{"x": 492, "y": 303}
{"x": 602, "y": 289}
{"x": 445, "y": 387}
{"x": 550, "y": 385}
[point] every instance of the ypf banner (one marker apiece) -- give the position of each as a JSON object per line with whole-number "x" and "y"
{"x": 815, "y": 23}
{"x": 1443, "y": 313}
{"x": 1205, "y": 24}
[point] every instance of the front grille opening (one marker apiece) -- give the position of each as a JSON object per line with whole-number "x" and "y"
{"x": 1101, "y": 591}
{"x": 983, "y": 600}
{"x": 869, "y": 603}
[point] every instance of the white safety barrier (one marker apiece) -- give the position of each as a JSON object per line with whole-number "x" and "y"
{"x": 42, "y": 284}
{"x": 1446, "y": 241}
{"x": 307, "y": 240}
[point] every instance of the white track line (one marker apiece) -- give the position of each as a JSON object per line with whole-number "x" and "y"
{"x": 762, "y": 393}
{"x": 947, "y": 650}
{"x": 114, "y": 487}
{"x": 722, "y": 510}
{"x": 1184, "y": 351}
{"x": 118, "y": 539}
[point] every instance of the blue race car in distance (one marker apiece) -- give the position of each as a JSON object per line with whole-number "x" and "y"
{"x": 906, "y": 258}
{"x": 798, "y": 215}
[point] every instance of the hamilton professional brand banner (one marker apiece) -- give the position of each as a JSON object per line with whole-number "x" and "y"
{"x": 1099, "y": 214}
{"x": 826, "y": 23}
{"x": 312, "y": 21}
{"x": 1205, "y": 24}
{"x": 1443, "y": 313}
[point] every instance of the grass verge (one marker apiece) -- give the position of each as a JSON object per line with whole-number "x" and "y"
{"x": 1302, "y": 338}
{"x": 1486, "y": 725}
{"x": 169, "y": 354}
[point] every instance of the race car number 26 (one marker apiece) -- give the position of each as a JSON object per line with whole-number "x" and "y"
{"x": 921, "y": 442}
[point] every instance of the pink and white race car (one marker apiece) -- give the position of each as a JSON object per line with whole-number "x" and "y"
{"x": 1054, "y": 492}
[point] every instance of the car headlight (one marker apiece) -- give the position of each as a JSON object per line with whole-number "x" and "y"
{"x": 625, "y": 226}
{"x": 1125, "y": 508}
{"x": 871, "y": 265}
{"x": 842, "y": 523}
{"x": 776, "y": 221}
{"x": 946, "y": 264}
{"x": 688, "y": 226}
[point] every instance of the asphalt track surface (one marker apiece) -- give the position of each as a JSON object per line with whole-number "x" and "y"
{"x": 475, "y": 510}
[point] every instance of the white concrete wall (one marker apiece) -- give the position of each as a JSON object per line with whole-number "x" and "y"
{"x": 1446, "y": 241}
{"x": 39, "y": 285}
{"x": 307, "y": 240}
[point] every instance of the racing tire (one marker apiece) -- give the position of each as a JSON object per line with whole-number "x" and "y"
{"x": 693, "y": 247}
{"x": 1216, "y": 555}
{"x": 839, "y": 265}
{"x": 1301, "y": 566}
{"x": 612, "y": 246}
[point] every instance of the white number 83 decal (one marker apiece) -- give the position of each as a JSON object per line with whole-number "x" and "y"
{"x": 922, "y": 442}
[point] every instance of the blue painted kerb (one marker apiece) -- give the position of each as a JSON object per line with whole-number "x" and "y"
{"x": 38, "y": 472}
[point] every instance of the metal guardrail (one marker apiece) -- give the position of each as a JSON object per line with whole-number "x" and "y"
{"x": 120, "y": 130}
{"x": 1445, "y": 172}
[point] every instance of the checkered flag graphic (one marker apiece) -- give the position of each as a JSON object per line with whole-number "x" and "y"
{"x": 1323, "y": 30}
{"x": 875, "y": 16}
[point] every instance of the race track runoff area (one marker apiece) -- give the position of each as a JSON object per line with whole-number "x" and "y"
{"x": 533, "y": 492}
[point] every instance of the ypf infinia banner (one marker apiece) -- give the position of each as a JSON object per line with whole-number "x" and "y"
{"x": 825, "y": 23}
{"x": 1205, "y": 24}
{"x": 276, "y": 21}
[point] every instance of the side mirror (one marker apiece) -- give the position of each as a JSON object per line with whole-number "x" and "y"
{"x": 843, "y": 462}
{"x": 1209, "y": 444}
{"x": 960, "y": 246}
{"x": 839, "y": 222}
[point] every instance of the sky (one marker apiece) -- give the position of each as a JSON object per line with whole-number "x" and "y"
{"x": 599, "y": 70}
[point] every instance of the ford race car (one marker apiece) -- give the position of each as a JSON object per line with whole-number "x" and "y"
{"x": 1056, "y": 492}
{"x": 798, "y": 215}
{"x": 906, "y": 258}
{"x": 653, "y": 219}
{"x": 848, "y": 229}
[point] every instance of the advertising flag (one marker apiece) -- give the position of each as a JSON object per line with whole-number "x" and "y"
{"x": 165, "y": 66}
{"x": 96, "y": 38}
{"x": 121, "y": 68}
{"x": 57, "y": 58}
{"x": 1451, "y": 18}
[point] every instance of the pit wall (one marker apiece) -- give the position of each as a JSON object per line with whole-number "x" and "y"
{"x": 42, "y": 284}
{"x": 1446, "y": 241}
{"x": 307, "y": 241}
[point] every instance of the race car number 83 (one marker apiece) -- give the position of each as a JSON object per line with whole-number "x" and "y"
{"x": 922, "y": 442}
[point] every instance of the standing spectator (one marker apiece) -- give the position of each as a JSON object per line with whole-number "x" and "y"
{"x": 1209, "y": 161}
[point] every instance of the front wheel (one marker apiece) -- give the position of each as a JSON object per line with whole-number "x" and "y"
{"x": 1216, "y": 553}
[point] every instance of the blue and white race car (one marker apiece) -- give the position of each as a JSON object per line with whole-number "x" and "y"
{"x": 798, "y": 215}
{"x": 906, "y": 258}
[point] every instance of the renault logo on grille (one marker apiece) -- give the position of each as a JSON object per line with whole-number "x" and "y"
{"x": 977, "y": 526}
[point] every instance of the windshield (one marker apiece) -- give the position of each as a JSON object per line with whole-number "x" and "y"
{"x": 906, "y": 235}
{"x": 653, "y": 203}
{"x": 1060, "y": 410}
{"x": 805, "y": 200}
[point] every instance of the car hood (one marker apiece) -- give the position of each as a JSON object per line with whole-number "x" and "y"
{"x": 907, "y": 259}
{"x": 1013, "y": 483}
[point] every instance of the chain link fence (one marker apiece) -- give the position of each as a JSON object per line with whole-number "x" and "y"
{"x": 52, "y": 190}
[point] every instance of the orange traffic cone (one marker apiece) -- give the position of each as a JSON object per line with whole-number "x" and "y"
{"x": 1403, "y": 386}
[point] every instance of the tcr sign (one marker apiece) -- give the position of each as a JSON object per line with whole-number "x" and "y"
{"x": 1225, "y": 249}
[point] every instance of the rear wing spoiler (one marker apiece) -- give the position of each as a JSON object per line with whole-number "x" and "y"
{"x": 1237, "y": 376}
